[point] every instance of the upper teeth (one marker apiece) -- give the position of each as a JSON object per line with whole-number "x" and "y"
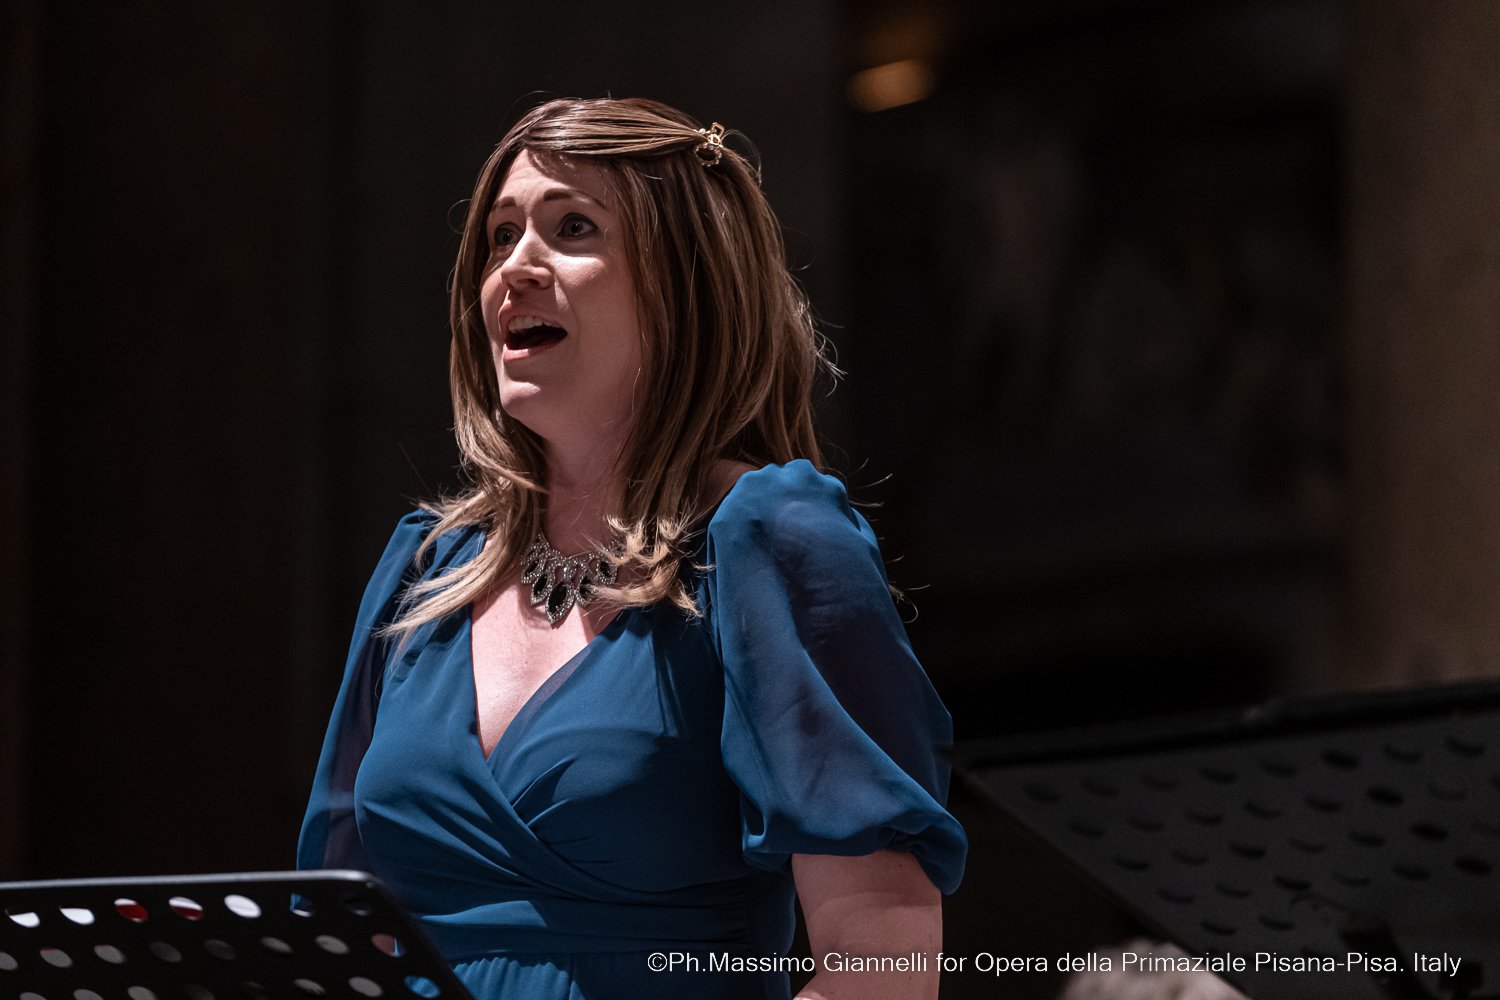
{"x": 526, "y": 323}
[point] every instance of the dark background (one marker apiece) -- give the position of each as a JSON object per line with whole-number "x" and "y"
{"x": 1171, "y": 331}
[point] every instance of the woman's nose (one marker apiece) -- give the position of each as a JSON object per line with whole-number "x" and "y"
{"x": 527, "y": 263}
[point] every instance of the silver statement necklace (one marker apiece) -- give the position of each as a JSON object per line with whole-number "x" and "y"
{"x": 558, "y": 582}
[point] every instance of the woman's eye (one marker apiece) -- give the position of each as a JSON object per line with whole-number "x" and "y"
{"x": 575, "y": 226}
{"x": 503, "y": 237}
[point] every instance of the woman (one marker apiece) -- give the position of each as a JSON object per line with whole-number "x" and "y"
{"x": 642, "y": 684}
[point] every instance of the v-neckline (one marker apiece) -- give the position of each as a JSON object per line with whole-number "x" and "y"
{"x": 562, "y": 673}
{"x": 543, "y": 692}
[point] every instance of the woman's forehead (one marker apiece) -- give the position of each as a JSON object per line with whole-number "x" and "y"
{"x": 550, "y": 177}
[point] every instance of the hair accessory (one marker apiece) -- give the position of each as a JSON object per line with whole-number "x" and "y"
{"x": 558, "y": 582}
{"x": 711, "y": 149}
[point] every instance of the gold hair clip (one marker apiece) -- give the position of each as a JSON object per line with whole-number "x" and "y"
{"x": 711, "y": 150}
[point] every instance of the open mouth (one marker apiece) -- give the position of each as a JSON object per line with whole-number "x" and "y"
{"x": 527, "y": 334}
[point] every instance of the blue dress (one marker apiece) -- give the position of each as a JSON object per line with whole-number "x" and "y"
{"x": 649, "y": 795}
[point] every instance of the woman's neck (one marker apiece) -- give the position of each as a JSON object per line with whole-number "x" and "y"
{"x": 583, "y": 491}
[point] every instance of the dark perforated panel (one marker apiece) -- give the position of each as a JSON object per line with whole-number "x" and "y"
{"x": 1376, "y": 839}
{"x": 215, "y": 937}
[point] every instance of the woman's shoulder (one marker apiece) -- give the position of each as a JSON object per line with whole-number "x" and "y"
{"x": 409, "y": 534}
{"x": 416, "y": 527}
{"x": 758, "y": 495}
{"x": 417, "y": 522}
{"x": 789, "y": 507}
{"x": 394, "y": 566}
{"x": 411, "y": 554}
{"x": 412, "y": 532}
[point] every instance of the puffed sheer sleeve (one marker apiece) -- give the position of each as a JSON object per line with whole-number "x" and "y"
{"x": 832, "y": 731}
{"x": 329, "y": 838}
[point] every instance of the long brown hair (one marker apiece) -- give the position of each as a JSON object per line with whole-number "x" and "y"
{"x": 729, "y": 354}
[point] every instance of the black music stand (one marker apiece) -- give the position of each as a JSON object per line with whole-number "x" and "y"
{"x": 1302, "y": 830}
{"x": 254, "y": 936}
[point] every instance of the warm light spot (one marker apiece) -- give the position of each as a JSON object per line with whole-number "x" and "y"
{"x": 891, "y": 85}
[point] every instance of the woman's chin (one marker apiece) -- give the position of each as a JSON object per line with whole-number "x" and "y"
{"x": 532, "y": 408}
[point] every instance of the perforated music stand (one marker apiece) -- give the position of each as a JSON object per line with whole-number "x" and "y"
{"x": 255, "y": 936}
{"x": 1366, "y": 824}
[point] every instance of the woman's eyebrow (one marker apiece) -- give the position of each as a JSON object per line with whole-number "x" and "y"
{"x": 554, "y": 194}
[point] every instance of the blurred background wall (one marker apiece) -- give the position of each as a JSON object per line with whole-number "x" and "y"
{"x": 1170, "y": 330}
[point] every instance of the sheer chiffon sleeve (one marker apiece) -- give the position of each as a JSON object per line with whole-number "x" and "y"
{"x": 329, "y": 838}
{"x": 832, "y": 731}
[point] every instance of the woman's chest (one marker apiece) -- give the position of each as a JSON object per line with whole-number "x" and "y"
{"x": 612, "y": 763}
{"x": 514, "y": 650}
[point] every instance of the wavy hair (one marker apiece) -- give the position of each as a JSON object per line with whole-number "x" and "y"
{"x": 729, "y": 347}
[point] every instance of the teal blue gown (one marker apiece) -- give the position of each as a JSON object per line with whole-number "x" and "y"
{"x": 648, "y": 797}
